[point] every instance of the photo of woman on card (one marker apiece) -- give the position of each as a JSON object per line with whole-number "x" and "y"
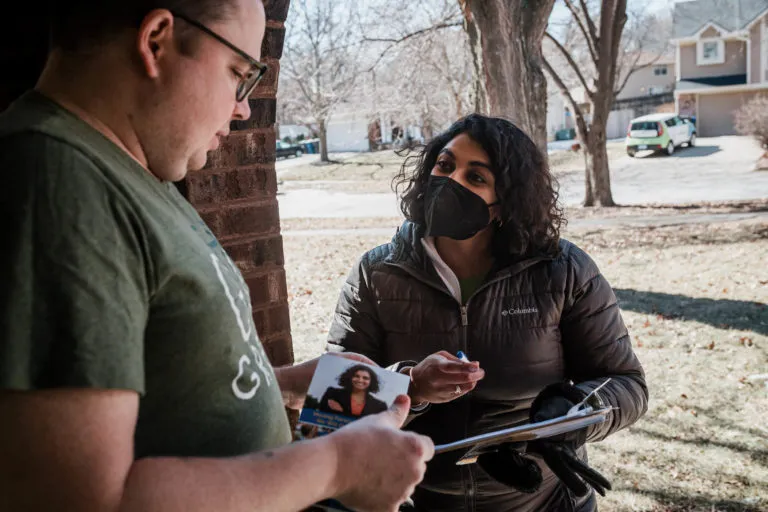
{"x": 354, "y": 397}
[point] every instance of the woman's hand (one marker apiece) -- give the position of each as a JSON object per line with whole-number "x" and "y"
{"x": 442, "y": 377}
{"x": 336, "y": 406}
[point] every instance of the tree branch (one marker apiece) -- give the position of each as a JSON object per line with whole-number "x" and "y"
{"x": 589, "y": 37}
{"x": 591, "y": 24}
{"x": 618, "y": 20}
{"x": 412, "y": 34}
{"x": 632, "y": 69}
{"x": 563, "y": 89}
{"x": 394, "y": 42}
{"x": 571, "y": 62}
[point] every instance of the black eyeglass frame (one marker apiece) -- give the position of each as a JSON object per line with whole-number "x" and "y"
{"x": 249, "y": 82}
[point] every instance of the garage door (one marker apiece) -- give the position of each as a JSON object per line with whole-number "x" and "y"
{"x": 715, "y": 115}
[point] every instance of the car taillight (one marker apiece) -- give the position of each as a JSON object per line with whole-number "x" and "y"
{"x": 629, "y": 130}
{"x": 659, "y": 129}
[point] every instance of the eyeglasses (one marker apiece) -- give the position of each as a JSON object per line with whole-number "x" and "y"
{"x": 251, "y": 79}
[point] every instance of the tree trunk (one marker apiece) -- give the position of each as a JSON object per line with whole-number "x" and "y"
{"x": 511, "y": 32}
{"x": 459, "y": 105}
{"x": 478, "y": 92}
{"x": 589, "y": 198}
{"x": 598, "y": 172}
{"x": 323, "y": 141}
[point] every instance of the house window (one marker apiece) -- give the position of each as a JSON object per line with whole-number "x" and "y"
{"x": 710, "y": 51}
{"x": 660, "y": 70}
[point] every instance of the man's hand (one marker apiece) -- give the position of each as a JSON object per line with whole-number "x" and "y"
{"x": 379, "y": 465}
{"x": 294, "y": 380}
{"x": 442, "y": 377}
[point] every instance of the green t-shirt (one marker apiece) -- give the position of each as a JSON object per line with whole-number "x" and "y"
{"x": 469, "y": 286}
{"x": 112, "y": 280}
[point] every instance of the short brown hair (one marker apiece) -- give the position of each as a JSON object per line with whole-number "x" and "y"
{"x": 79, "y": 25}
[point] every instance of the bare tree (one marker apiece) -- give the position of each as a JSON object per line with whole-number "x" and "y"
{"x": 420, "y": 62}
{"x": 505, "y": 39}
{"x": 598, "y": 56}
{"x": 322, "y": 58}
{"x": 602, "y": 43}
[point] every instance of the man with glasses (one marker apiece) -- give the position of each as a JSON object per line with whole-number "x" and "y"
{"x": 131, "y": 376}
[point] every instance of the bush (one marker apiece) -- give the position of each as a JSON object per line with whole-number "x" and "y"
{"x": 752, "y": 119}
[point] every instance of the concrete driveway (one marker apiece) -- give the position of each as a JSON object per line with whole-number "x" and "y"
{"x": 717, "y": 169}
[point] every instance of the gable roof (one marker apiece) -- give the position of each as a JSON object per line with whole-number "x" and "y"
{"x": 732, "y": 15}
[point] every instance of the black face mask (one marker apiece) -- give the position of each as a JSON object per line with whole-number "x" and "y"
{"x": 453, "y": 210}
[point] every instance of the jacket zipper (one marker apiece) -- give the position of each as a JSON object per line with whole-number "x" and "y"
{"x": 463, "y": 311}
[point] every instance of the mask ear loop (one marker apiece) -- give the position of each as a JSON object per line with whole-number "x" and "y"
{"x": 497, "y": 219}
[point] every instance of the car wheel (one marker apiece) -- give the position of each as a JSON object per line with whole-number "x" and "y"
{"x": 631, "y": 153}
{"x": 692, "y": 142}
{"x": 670, "y": 148}
{"x": 298, "y": 153}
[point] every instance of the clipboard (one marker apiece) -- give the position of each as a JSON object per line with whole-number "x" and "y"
{"x": 477, "y": 445}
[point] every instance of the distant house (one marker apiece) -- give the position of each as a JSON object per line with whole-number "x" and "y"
{"x": 721, "y": 61}
{"x": 648, "y": 90}
{"x": 559, "y": 114}
{"x": 655, "y": 79}
{"x": 294, "y": 131}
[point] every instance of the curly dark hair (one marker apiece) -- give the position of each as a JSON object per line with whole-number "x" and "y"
{"x": 345, "y": 379}
{"x": 530, "y": 216}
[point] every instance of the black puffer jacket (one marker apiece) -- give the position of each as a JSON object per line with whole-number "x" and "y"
{"x": 533, "y": 323}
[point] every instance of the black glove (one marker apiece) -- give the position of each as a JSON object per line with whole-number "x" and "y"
{"x": 506, "y": 465}
{"x": 559, "y": 452}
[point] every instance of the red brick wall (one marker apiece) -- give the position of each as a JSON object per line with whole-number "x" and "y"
{"x": 236, "y": 194}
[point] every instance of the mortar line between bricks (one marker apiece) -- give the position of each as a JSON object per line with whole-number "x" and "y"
{"x": 234, "y": 204}
{"x": 258, "y": 200}
{"x": 270, "y": 305}
{"x": 228, "y": 240}
{"x": 261, "y": 165}
{"x": 251, "y": 237}
{"x": 208, "y": 171}
{"x": 267, "y": 270}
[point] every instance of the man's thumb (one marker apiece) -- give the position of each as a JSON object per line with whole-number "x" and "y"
{"x": 399, "y": 410}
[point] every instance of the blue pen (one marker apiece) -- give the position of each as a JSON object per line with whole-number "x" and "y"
{"x": 461, "y": 355}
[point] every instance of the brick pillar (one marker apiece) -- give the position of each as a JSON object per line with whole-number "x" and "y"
{"x": 236, "y": 194}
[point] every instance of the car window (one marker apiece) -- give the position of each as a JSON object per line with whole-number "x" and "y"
{"x": 670, "y": 122}
{"x": 644, "y": 125}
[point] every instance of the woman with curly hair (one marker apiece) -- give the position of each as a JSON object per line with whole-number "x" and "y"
{"x": 354, "y": 398}
{"x": 479, "y": 267}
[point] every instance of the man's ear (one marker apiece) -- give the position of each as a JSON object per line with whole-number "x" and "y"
{"x": 155, "y": 40}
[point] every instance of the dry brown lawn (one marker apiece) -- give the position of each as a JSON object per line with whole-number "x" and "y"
{"x": 694, "y": 298}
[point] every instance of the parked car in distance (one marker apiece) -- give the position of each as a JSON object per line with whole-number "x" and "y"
{"x": 284, "y": 150}
{"x": 659, "y": 132}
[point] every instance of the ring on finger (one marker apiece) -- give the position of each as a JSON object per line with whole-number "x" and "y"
{"x": 458, "y": 390}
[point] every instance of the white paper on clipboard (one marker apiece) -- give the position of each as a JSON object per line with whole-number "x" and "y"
{"x": 524, "y": 433}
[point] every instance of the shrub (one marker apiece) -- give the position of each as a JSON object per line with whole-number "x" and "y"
{"x": 752, "y": 119}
